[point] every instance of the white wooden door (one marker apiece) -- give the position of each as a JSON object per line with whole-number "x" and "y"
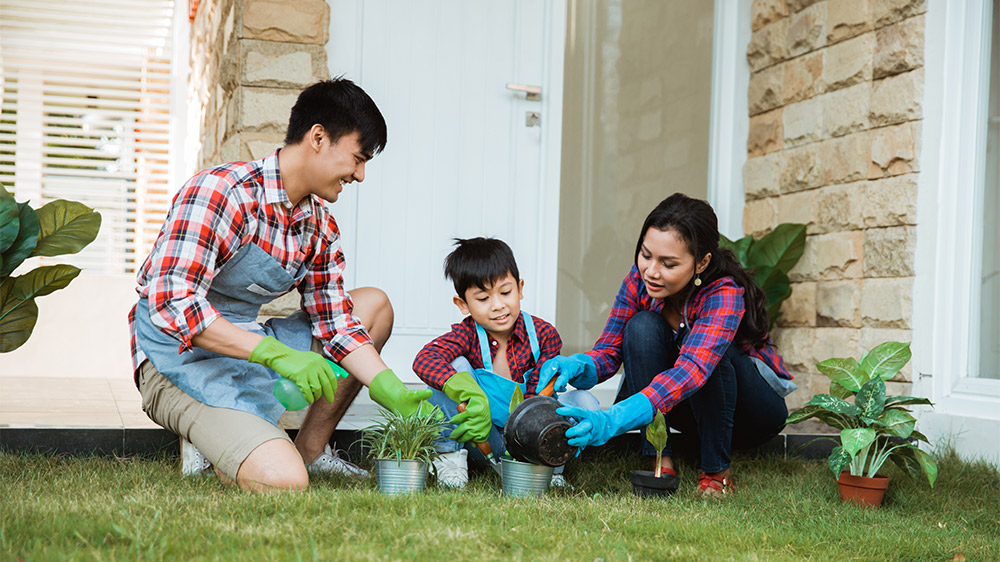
{"x": 461, "y": 159}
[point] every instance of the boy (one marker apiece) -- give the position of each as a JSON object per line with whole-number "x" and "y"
{"x": 483, "y": 358}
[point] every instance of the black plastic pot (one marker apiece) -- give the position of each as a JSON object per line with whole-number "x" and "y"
{"x": 646, "y": 484}
{"x": 535, "y": 433}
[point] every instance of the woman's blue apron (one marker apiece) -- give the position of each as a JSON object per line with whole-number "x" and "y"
{"x": 248, "y": 280}
{"x": 498, "y": 389}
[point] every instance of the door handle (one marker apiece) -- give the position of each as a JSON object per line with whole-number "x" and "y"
{"x": 531, "y": 93}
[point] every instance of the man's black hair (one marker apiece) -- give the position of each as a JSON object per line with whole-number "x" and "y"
{"x": 341, "y": 107}
{"x": 479, "y": 262}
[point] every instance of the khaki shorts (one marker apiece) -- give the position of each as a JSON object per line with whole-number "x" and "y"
{"x": 226, "y": 437}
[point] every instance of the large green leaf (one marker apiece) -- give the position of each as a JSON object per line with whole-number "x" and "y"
{"x": 24, "y": 244}
{"x": 844, "y": 371}
{"x": 44, "y": 280}
{"x": 781, "y": 248}
{"x": 886, "y": 360}
{"x": 916, "y": 463}
{"x": 818, "y": 412}
{"x": 854, "y": 440}
{"x": 9, "y": 222}
{"x": 66, "y": 227}
{"x": 838, "y": 390}
{"x": 834, "y": 404}
{"x": 839, "y": 459}
{"x": 739, "y": 247}
{"x": 899, "y": 423}
{"x": 18, "y": 320}
{"x": 906, "y": 400}
{"x": 656, "y": 432}
{"x": 928, "y": 464}
{"x": 871, "y": 398}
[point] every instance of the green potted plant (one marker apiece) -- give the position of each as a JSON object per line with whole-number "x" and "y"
{"x": 649, "y": 483}
{"x": 403, "y": 448}
{"x": 770, "y": 259}
{"x": 873, "y": 427}
{"x": 520, "y": 479}
{"x": 56, "y": 228}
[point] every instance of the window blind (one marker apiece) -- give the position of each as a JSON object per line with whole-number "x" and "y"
{"x": 85, "y": 115}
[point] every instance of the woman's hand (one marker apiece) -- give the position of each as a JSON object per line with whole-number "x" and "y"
{"x": 577, "y": 369}
{"x": 597, "y": 427}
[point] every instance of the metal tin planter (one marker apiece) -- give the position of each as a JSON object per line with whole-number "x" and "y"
{"x": 400, "y": 476}
{"x": 522, "y": 479}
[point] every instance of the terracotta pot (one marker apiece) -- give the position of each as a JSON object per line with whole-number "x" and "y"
{"x": 646, "y": 484}
{"x": 862, "y": 490}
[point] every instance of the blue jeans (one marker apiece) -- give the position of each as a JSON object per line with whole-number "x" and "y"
{"x": 735, "y": 408}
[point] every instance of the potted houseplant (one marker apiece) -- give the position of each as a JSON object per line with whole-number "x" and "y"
{"x": 648, "y": 483}
{"x": 521, "y": 479}
{"x": 873, "y": 427}
{"x": 56, "y": 228}
{"x": 403, "y": 448}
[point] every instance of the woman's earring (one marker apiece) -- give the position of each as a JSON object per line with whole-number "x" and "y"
{"x": 697, "y": 280}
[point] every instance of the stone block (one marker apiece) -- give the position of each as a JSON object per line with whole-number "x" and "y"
{"x": 846, "y": 111}
{"x": 887, "y": 303}
{"x": 837, "y": 304}
{"x": 283, "y": 65}
{"x": 767, "y": 45}
{"x": 835, "y": 342}
{"x": 796, "y": 347}
{"x": 894, "y": 150}
{"x": 802, "y": 121}
{"x": 800, "y": 308}
{"x": 838, "y": 255}
{"x": 759, "y": 216}
{"x": 765, "y": 134}
{"x": 797, "y": 5}
{"x": 797, "y": 207}
{"x": 837, "y": 208}
{"x": 845, "y": 159}
{"x": 766, "y": 89}
{"x": 762, "y": 175}
{"x": 849, "y": 62}
{"x": 899, "y": 47}
{"x": 807, "y": 30}
{"x": 891, "y": 201}
{"x": 266, "y": 108}
{"x": 873, "y": 337}
{"x": 804, "y": 77}
{"x": 763, "y": 12}
{"x": 302, "y": 21}
{"x": 229, "y": 151}
{"x": 847, "y": 18}
{"x": 886, "y": 12}
{"x": 801, "y": 168}
{"x": 889, "y": 252}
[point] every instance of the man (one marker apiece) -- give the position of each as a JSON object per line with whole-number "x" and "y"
{"x": 240, "y": 235}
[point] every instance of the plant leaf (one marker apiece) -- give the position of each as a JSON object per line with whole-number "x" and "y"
{"x": 9, "y": 219}
{"x": 516, "y": 398}
{"x": 844, "y": 371}
{"x": 834, "y": 404}
{"x": 19, "y": 321}
{"x": 656, "y": 431}
{"x": 739, "y": 248}
{"x": 928, "y": 464}
{"x": 906, "y": 400}
{"x": 886, "y": 360}
{"x": 871, "y": 398}
{"x": 44, "y": 280}
{"x": 66, "y": 227}
{"x": 818, "y": 412}
{"x": 781, "y": 248}
{"x": 899, "y": 423}
{"x": 854, "y": 440}
{"x": 838, "y": 461}
{"x": 24, "y": 244}
{"x": 838, "y": 390}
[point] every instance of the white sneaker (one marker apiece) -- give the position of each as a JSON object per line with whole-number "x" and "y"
{"x": 452, "y": 469}
{"x": 330, "y": 462}
{"x": 192, "y": 461}
{"x": 559, "y": 481}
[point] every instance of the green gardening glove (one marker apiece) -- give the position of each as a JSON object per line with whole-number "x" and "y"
{"x": 389, "y": 392}
{"x": 309, "y": 370}
{"x": 474, "y": 423}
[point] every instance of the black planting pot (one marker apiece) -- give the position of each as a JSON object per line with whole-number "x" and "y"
{"x": 535, "y": 433}
{"x": 646, "y": 484}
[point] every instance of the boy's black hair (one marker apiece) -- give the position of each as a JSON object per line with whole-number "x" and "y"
{"x": 479, "y": 262}
{"x": 341, "y": 107}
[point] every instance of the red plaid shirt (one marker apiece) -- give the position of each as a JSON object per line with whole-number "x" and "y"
{"x": 714, "y": 314}
{"x": 433, "y": 363}
{"x": 214, "y": 214}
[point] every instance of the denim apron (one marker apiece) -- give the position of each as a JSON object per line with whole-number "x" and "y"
{"x": 248, "y": 280}
{"x": 499, "y": 390}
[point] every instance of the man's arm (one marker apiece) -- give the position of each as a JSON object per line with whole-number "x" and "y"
{"x": 225, "y": 338}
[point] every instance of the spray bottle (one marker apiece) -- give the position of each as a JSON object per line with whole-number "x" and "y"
{"x": 288, "y": 393}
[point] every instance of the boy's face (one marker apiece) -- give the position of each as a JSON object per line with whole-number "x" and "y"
{"x": 495, "y": 308}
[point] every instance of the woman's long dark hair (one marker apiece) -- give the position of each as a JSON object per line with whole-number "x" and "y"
{"x": 695, "y": 221}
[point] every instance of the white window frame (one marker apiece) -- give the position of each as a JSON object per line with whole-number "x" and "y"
{"x": 945, "y": 320}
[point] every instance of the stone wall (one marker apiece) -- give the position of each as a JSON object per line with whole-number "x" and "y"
{"x": 835, "y": 98}
{"x": 249, "y": 61}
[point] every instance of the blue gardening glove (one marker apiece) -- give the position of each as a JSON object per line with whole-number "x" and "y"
{"x": 578, "y": 370}
{"x": 596, "y": 427}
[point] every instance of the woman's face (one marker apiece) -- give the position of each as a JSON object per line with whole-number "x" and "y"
{"x": 666, "y": 263}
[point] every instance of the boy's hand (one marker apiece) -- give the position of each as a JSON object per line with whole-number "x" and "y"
{"x": 577, "y": 369}
{"x": 474, "y": 423}
{"x": 310, "y": 371}
{"x": 389, "y": 392}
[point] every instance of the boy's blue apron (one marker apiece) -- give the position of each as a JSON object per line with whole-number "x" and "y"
{"x": 249, "y": 279}
{"x": 498, "y": 389}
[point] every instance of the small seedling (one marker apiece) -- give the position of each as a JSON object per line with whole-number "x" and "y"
{"x": 656, "y": 433}
{"x": 516, "y": 398}
{"x": 395, "y": 436}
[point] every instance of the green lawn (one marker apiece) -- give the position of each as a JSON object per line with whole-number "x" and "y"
{"x": 70, "y": 508}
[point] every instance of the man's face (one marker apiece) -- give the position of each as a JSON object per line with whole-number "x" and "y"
{"x": 338, "y": 164}
{"x": 496, "y": 307}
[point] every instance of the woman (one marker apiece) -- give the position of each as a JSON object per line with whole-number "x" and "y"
{"x": 691, "y": 327}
